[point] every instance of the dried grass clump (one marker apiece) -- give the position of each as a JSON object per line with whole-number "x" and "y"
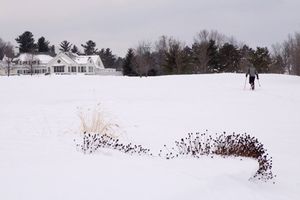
{"x": 94, "y": 121}
{"x": 237, "y": 145}
{"x": 99, "y": 133}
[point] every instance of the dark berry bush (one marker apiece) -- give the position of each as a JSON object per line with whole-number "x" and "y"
{"x": 238, "y": 145}
{"x": 93, "y": 142}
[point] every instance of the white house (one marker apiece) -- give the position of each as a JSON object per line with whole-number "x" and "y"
{"x": 63, "y": 63}
{"x": 27, "y": 63}
{"x": 69, "y": 63}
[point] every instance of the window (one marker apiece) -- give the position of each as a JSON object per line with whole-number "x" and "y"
{"x": 91, "y": 69}
{"x": 78, "y": 69}
{"x": 59, "y": 69}
{"x": 58, "y": 61}
{"x": 73, "y": 69}
{"x": 83, "y": 69}
{"x": 69, "y": 69}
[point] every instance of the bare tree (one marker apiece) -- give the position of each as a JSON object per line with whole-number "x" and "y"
{"x": 161, "y": 48}
{"x": 9, "y": 55}
{"x": 2, "y": 48}
{"x": 143, "y": 58}
{"x": 201, "y": 46}
{"x": 31, "y": 61}
{"x": 280, "y": 59}
{"x": 176, "y": 60}
{"x": 290, "y": 53}
{"x": 205, "y": 36}
{"x": 296, "y": 54}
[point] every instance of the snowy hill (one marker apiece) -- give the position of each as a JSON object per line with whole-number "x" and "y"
{"x": 39, "y": 122}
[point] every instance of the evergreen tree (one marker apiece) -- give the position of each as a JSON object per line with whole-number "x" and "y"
{"x": 75, "y": 49}
{"x": 212, "y": 52}
{"x": 128, "y": 65}
{"x": 200, "y": 57}
{"x": 26, "y": 42}
{"x": 261, "y": 59}
{"x": 118, "y": 65}
{"x": 65, "y": 46}
{"x": 176, "y": 58}
{"x": 188, "y": 60}
{"x": 246, "y": 52}
{"x": 43, "y": 45}
{"x": 52, "y": 51}
{"x": 246, "y": 57}
{"x": 107, "y": 57}
{"x": 89, "y": 48}
{"x": 229, "y": 57}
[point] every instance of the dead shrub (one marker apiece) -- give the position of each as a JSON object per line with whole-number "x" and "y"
{"x": 237, "y": 145}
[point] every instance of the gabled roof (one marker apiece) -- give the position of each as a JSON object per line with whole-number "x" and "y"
{"x": 63, "y": 57}
{"x": 74, "y": 59}
{"x": 86, "y": 59}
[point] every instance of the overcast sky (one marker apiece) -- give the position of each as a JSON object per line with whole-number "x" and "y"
{"x": 120, "y": 24}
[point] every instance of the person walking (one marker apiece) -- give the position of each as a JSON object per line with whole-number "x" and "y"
{"x": 252, "y": 72}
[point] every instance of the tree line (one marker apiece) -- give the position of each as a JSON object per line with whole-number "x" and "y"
{"x": 211, "y": 52}
{"x": 27, "y": 44}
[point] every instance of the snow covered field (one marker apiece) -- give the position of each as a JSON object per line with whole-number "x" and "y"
{"x": 39, "y": 122}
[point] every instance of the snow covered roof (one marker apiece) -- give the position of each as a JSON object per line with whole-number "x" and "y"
{"x": 85, "y": 59}
{"x": 74, "y": 59}
{"x": 43, "y": 58}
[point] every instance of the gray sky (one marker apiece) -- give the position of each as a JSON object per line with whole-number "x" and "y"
{"x": 120, "y": 24}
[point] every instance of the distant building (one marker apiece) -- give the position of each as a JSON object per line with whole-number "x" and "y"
{"x": 27, "y": 63}
{"x": 63, "y": 63}
{"x": 69, "y": 63}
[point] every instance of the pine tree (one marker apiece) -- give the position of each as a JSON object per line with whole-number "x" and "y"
{"x": 229, "y": 58}
{"x": 74, "y": 49}
{"x": 261, "y": 59}
{"x": 26, "y": 42}
{"x": 43, "y": 45}
{"x": 176, "y": 58}
{"x": 107, "y": 57}
{"x": 212, "y": 52}
{"x": 200, "y": 57}
{"x": 128, "y": 65}
{"x": 65, "y": 46}
{"x": 52, "y": 51}
{"x": 89, "y": 48}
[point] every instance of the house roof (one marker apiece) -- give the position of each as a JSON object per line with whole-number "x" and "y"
{"x": 43, "y": 58}
{"x": 85, "y": 59}
{"x": 71, "y": 59}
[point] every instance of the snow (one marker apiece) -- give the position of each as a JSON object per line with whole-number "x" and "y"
{"x": 39, "y": 121}
{"x": 44, "y": 59}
